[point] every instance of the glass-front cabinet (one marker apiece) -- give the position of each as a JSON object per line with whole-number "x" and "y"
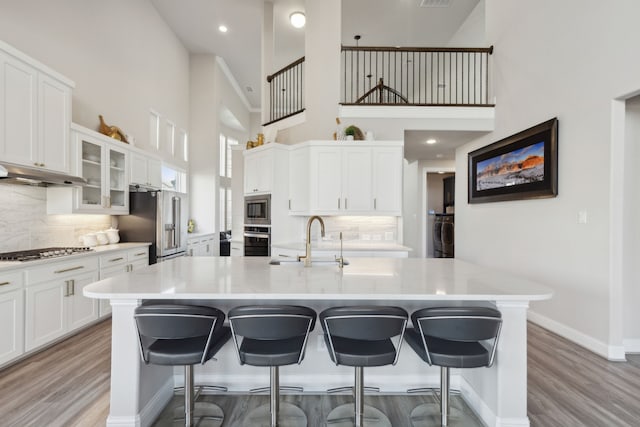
{"x": 105, "y": 166}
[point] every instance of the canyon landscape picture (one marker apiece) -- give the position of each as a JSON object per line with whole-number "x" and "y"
{"x": 522, "y": 166}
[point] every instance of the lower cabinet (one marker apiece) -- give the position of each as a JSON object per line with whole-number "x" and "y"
{"x": 201, "y": 245}
{"x": 11, "y": 316}
{"x": 121, "y": 262}
{"x": 54, "y": 307}
{"x": 237, "y": 248}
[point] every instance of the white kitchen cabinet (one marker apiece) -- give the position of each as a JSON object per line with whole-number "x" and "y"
{"x": 201, "y": 245}
{"x": 104, "y": 164}
{"x": 11, "y": 316}
{"x": 328, "y": 178}
{"x": 258, "y": 170}
{"x": 116, "y": 263}
{"x": 35, "y": 112}
{"x": 145, "y": 171}
{"x": 236, "y": 248}
{"x": 387, "y": 180}
{"x": 54, "y": 304}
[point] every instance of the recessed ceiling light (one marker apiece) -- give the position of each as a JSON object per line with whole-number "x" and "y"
{"x": 431, "y": 141}
{"x": 441, "y": 172}
{"x": 439, "y": 156}
{"x": 297, "y": 19}
{"x": 223, "y": 28}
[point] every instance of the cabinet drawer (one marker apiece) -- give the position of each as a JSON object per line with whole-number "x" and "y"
{"x": 113, "y": 259}
{"x": 138, "y": 254}
{"x": 11, "y": 281}
{"x": 61, "y": 269}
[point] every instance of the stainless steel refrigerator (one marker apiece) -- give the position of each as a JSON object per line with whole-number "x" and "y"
{"x": 159, "y": 217}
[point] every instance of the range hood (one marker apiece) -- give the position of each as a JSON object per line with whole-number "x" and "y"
{"x": 17, "y": 174}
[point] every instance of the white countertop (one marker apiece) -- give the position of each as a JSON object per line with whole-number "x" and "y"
{"x": 16, "y": 265}
{"x": 364, "y": 278}
{"x": 334, "y": 245}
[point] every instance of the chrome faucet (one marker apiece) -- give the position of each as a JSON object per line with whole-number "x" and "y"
{"x": 340, "y": 260}
{"x": 307, "y": 255}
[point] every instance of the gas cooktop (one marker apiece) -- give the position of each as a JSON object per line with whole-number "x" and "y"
{"x": 34, "y": 254}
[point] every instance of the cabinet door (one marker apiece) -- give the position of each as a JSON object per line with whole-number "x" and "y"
{"x": 356, "y": 180}
{"x": 92, "y": 160}
{"x": 138, "y": 169}
{"x": 11, "y": 325}
{"x": 44, "y": 313}
{"x": 54, "y": 119}
{"x": 265, "y": 171}
{"x": 116, "y": 182}
{"x": 299, "y": 180}
{"x": 80, "y": 309}
{"x": 104, "y": 306}
{"x": 387, "y": 180}
{"x": 326, "y": 180}
{"x": 154, "y": 173}
{"x": 251, "y": 173}
{"x": 18, "y": 115}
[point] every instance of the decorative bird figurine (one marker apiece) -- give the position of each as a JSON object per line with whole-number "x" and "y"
{"x": 112, "y": 131}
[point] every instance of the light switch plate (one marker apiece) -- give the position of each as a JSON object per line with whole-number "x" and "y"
{"x": 582, "y": 217}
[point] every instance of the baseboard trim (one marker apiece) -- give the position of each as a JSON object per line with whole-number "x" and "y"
{"x": 631, "y": 345}
{"x": 123, "y": 421}
{"x": 612, "y": 353}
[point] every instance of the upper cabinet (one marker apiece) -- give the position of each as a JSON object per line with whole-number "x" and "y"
{"x": 329, "y": 178}
{"x": 146, "y": 171}
{"x": 104, "y": 163}
{"x": 35, "y": 112}
{"x": 258, "y": 170}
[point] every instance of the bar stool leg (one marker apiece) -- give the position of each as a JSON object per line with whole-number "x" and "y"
{"x": 444, "y": 395}
{"x": 188, "y": 396}
{"x": 274, "y": 396}
{"x": 358, "y": 400}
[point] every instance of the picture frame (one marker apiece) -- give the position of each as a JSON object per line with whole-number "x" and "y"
{"x": 521, "y": 166}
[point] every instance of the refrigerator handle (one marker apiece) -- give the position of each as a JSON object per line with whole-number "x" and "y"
{"x": 176, "y": 222}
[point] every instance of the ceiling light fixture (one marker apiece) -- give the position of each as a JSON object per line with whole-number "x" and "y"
{"x": 431, "y": 141}
{"x": 223, "y": 28}
{"x": 297, "y": 19}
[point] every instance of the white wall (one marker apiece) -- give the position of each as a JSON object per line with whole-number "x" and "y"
{"x": 211, "y": 92}
{"x": 631, "y": 273}
{"x": 549, "y": 61}
{"x": 472, "y": 31}
{"x": 122, "y": 56}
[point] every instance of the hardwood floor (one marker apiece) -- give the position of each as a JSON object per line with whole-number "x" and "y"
{"x": 568, "y": 386}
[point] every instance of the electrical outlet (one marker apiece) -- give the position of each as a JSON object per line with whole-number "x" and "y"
{"x": 582, "y": 217}
{"x": 377, "y": 237}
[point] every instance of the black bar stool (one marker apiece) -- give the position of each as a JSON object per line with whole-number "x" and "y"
{"x": 452, "y": 337}
{"x": 362, "y": 336}
{"x": 177, "y": 334}
{"x": 274, "y": 336}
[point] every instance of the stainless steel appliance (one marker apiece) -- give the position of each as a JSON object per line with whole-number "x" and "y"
{"x": 159, "y": 217}
{"x": 34, "y": 254}
{"x": 257, "y": 209}
{"x": 257, "y": 240}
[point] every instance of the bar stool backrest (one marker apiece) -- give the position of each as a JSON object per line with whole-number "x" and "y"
{"x": 368, "y": 323}
{"x": 464, "y": 324}
{"x": 271, "y": 322}
{"x": 176, "y": 322}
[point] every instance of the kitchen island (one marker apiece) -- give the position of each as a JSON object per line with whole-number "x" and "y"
{"x": 497, "y": 394}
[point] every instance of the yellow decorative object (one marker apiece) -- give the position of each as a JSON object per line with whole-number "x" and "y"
{"x": 259, "y": 142}
{"x": 112, "y": 131}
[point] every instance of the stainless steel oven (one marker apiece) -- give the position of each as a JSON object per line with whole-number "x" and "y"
{"x": 257, "y": 240}
{"x": 257, "y": 209}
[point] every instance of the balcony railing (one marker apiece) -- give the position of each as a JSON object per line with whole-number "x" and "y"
{"x": 415, "y": 76}
{"x": 286, "y": 94}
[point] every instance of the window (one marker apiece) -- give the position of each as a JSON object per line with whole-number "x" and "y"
{"x": 183, "y": 148}
{"x": 171, "y": 138}
{"x": 225, "y": 181}
{"x": 174, "y": 179}
{"x": 154, "y": 129}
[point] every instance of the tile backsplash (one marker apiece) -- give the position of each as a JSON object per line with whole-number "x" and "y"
{"x": 24, "y": 223}
{"x": 359, "y": 229}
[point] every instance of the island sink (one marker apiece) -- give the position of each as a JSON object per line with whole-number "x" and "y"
{"x": 314, "y": 261}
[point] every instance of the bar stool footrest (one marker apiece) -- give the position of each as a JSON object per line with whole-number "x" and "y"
{"x": 289, "y": 415}
{"x": 343, "y": 416}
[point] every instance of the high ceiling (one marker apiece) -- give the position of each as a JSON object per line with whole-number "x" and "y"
{"x": 378, "y": 22}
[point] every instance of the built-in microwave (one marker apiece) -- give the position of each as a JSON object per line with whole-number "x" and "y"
{"x": 257, "y": 209}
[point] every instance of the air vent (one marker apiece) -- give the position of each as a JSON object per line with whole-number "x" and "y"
{"x": 435, "y": 3}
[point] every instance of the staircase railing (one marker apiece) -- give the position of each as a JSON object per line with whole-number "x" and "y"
{"x": 286, "y": 94}
{"x": 415, "y": 76}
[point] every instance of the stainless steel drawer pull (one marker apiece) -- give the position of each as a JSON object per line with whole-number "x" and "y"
{"x": 69, "y": 269}
{"x": 116, "y": 259}
{"x": 140, "y": 254}
{"x": 5, "y": 283}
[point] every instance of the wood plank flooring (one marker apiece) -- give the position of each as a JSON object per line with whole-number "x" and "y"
{"x": 68, "y": 385}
